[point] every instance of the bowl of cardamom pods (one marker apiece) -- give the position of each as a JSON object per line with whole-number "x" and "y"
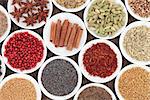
{"x": 105, "y": 19}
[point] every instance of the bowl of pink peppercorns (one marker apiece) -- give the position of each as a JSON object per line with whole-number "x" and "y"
{"x": 24, "y": 51}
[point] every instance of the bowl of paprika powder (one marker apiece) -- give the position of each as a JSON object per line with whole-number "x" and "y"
{"x": 24, "y": 51}
{"x": 100, "y": 61}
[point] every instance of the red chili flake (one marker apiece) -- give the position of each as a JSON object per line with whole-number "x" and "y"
{"x": 24, "y": 51}
{"x": 100, "y": 60}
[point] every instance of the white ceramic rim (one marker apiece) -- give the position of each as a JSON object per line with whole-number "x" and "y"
{"x": 3, "y": 10}
{"x": 121, "y": 40}
{"x": 69, "y": 9}
{"x": 49, "y": 95}
{"x": 62, "y": 51}
{"x": 136, "y": 16}
{"x": 23, "y": 25}
{"x": 107, "y": 37}
{"x": 128, "y": 67}
{"x": 96, "y": 78}
{"x": 26, "y": 77}
{"x": 96, "y": 85}
{"x": 38, "y": 64}
{"x": 3, "y": 68}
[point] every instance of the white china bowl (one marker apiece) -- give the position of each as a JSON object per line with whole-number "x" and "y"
{"x": 62, "y": 51}
{"x": 95, "y": 85}
{"x": 96, "y": 78}
{"x": 128, "y": 67}
{"x": 38, "y": 64}
{"x": 2, "y": 9}
{"x": 121, "y": 40}
{"x": 107, "y": 37}
{"x": 136, "y": 16}
{"x": 65, "y": 96}
{"x": 26, "y": 77}
{"x": 3, "y": 68}
{"x": 71, "y": 9}
{"x": 10, "y": 8}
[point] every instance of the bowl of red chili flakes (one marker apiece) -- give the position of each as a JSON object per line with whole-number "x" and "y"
{"x": 24, "y": 51}
{"x": 100, "y": 61}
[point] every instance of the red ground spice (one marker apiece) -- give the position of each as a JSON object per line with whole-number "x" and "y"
{"x": 100, "y": 60}
{"x": 24, "y": 51}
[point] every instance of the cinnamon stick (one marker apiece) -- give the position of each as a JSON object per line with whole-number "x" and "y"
{"x": 58, "y": 30}
{"x": 52, "y": 32}
{"x": 68, "y": 34}
{"x": 78, "y": 37}
{"x": 72, "y": 37}
{"x": 63, "y": 33}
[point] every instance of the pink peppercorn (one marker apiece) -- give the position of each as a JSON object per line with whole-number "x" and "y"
{"x": 24, "y": 51}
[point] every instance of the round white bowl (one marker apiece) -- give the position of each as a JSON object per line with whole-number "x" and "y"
{"x": 95, "y": 85}
{"x": 38, "y": 64}
{"x": 70, "y": 9}
{"x": 62, "y": 51}
{"x": 136, "y": 16}
{"x": 107, "y": 37}
{"x": 121, "y": 40}
{"x": 3, "y": 10}
{"x": 3, "y": 69}
{"x": 26, "y": 77}
{"x": 65, "y": 96}
{"x": 120, "y": 74}
{"x": 10, "y": 8}
{"x": 96, "y": 78}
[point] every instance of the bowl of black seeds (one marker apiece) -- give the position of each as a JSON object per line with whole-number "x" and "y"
{"x": 2, "y": 69}
{"x": 59, "y": 78}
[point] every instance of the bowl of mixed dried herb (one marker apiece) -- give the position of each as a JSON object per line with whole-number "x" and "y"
{"x": 135, "y": 43}
{"x": 71, "y": 5}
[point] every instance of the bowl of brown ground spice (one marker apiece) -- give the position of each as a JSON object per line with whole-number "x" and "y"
{"x": 139, "y": 9}
{"x": 19, "y": 87}
{"x": 94, "y": 91}
{"x": 133, "y": 83}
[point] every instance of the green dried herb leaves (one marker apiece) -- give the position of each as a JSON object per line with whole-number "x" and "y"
{"x": 105, "y": 17}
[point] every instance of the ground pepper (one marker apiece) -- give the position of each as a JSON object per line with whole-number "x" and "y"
{"x": 100, "y": 60}
{"x": 94, "y": 93}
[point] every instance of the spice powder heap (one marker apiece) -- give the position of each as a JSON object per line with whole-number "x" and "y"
{"x": 18, "y": 89}
{"x": 100, "y": 60}
{"x": 94, "y": 93}
{"x": 134, "y": 84}
{"x": 24, "y": 51}
{"x": 105, "y": 17}
{"x": 59, "y": 77}
{"x": 3, "y": 23}
{"x": 140, "y": 7}
{"x": 71, "y": 3}
{"x": 137, "y": 43}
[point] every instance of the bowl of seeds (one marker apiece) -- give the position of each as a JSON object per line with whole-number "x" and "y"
{"x": 30, "y": 14}
{"x": 2, "y": 68}
{"x": 59, "y": 78}
{"x": 94, "y": 91}
{"x": 133, "y": 83}
{"x": 135, "y": 43}
{"x": 19, "y": 87}
{"x": 5, "y": 23}
{"x": 71, "y": 5}
{"x": 139, "y": 9}
{"x": 105, "y": 18}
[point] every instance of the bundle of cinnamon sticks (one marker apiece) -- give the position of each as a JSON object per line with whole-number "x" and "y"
{"x": 65, "y": 34}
